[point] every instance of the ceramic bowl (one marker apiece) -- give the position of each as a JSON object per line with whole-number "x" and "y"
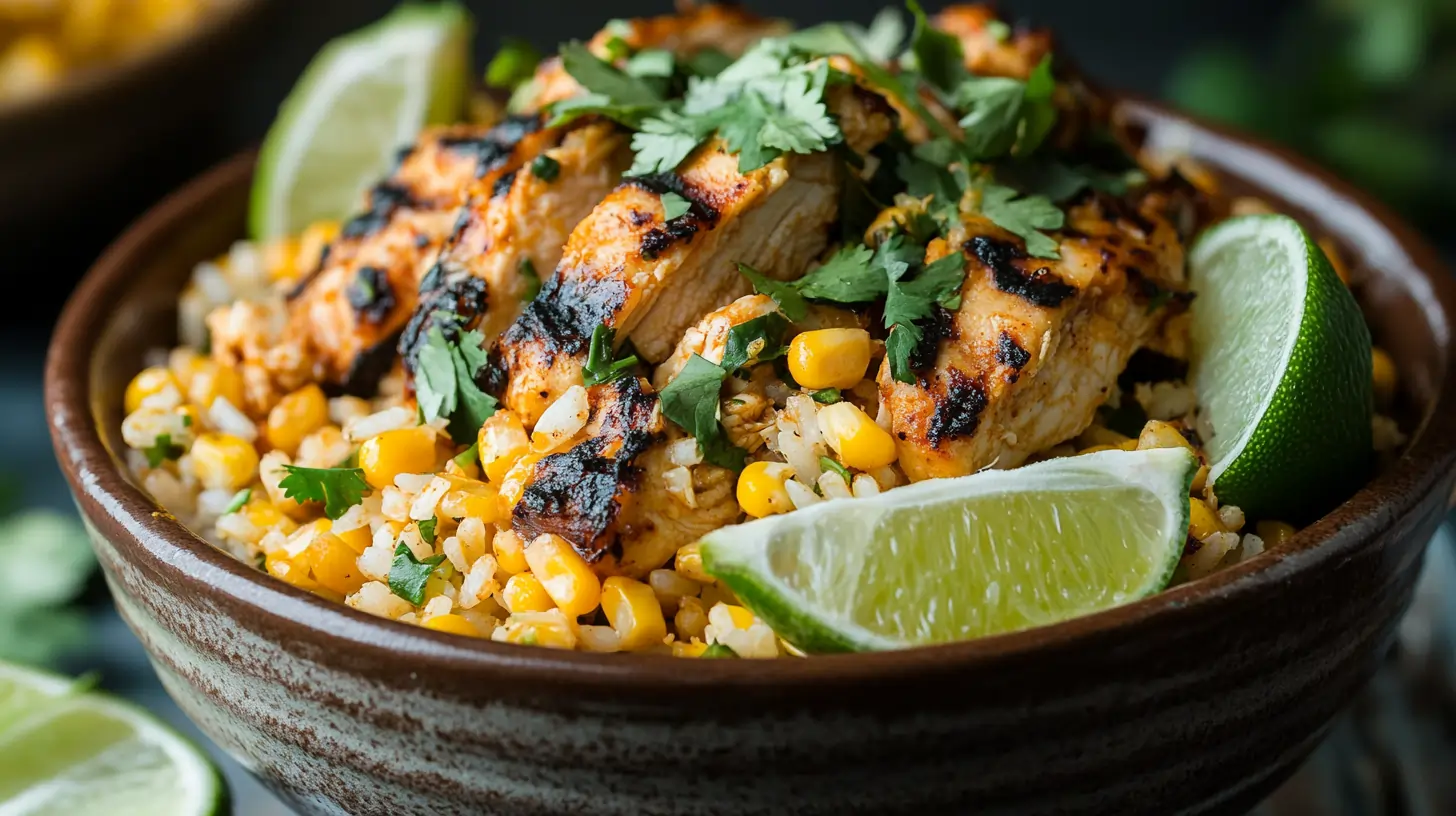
{"x": 1197, "y": 700}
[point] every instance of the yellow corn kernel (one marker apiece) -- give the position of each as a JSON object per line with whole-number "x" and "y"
{"x": 742, "y": 618}
{"x": 281, "y": 567}
{"x": 150, "y": 381}
{"x": 1383, "y": 375}
{"x": 513, "y": 484}
{"x": 1158, "y": 434}
{"x": 1200, "y": 479}
{"x": 452, "y": 623}
{"x": 224, "y": 461}
{"x": 510, "y": 552}
{"x": 567, "y": 577}
{"x": 1202, "y": 521}
{"x": 1274, "y": 533}
{"x": 761, "y": 489}
{"x": 295, "y": 416}
{"x": 860, "y": 443}
{"x": 829, "y": 358}
{"x": 405, "y": 450}
{"x": 524, "y": 593}
{"x": 502, "y": 440}
{"x": 211, "y": 381}
{"x": 693, "y": 649}
{"x": 551, "y": 629}
{"x": 191, "y": 417}
{"x": 357, "y": 539}
{"x": 335, "y": 564}
{"x": 478, "y": 503}
{"x": 632, "y": 609}
{"x": 689, "y": 562}
{"x": 265, "y": 515}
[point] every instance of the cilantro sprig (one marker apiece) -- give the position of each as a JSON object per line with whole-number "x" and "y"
{"x": 513, "y": 64}
{"x": 445, "y": 382}
{"x": 600, "y": 366}
{"x": 337, "y": 488}
{"x": 1006, "y": 116}
{"x": 408, "y": 575}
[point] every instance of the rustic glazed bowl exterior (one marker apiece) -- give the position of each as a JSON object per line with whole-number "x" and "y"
{"x": 1198, "y": 700}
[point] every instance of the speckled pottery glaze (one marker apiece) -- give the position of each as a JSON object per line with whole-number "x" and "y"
{"x": 1198, "y": 700}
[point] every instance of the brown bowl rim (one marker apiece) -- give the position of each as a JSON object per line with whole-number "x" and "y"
{"x": 171, "y": 551}
{"x": 75, "y": 92}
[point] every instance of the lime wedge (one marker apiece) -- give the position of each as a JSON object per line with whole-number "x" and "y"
{"x": 66, "y": 751}
{"x": 364, "y": 96}
{"x": 1281, "y": 363}
{"x": 954, "y": 559}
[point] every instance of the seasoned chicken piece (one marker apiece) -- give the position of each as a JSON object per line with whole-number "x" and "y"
{"x": 1036, "y": 344}
{"x": 987, "y": 52}
{"x": 725, "y": 28}
{"x": 507, "y": 236}
{"x": 615, "y": 494}
{"x": 649, "y": 279}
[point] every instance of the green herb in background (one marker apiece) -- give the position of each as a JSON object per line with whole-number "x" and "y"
{"x": 1366, "y": 87}
{"x": 47, "y": 563}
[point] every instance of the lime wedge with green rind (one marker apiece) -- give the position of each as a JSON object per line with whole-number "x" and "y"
{"x": 363, "y": 96}
{"x": 1281, "y": 364}
{"x": 66, "y": 751}
{"x": 954, "y": 559}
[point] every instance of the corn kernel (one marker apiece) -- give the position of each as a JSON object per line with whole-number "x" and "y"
{"x": 567, "y": 577}
{"x": 335, "y": 564}
{"x": 191, "y": 417}
{"x": 1274, "y": 533}
{"x": 742, "y": 618}
{"x": 357, "y": 539}
{"x": 691, "y": 620}
{"x": 1383, "y": 375}
{"x": 148, "y": 382}
{"x": 510, "y": 552}
{"x": 632, "y": 609}
{"x": 829, "y": 358}
{"x": 224, "y": 461}
{"x": 689, "y": 562}
{"x": 524, "y": 593}
{"x": 295, "y": 416}
{"x": 693, "y": 649}
{"x": 501, "y": 442}
{"x": 761, "y": 489}
{"x": 513, "y": 484}
{"x": 477, "y": 503}
{"x": 1158, "y": 434}
{"x": 405, "y": 450}
{"x": 551, "y": 629}
{"x": 452, "y": 623}
{"x": 860, "y": 443}
{"x": 1202, "y": 521}
{"x": 211, "y": 381}
{"x": 265, "y": 515}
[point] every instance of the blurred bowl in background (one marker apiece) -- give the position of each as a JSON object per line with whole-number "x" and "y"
{"x": 101, "y": 126}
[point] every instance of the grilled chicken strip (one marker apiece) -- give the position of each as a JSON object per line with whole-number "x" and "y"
{"x": 1036, "y": 345}
{"x": 608, "y": 494}
{"x": 488, "y": 266}
{"x": 987, "y": 53}
{"x": 649, "y": 279}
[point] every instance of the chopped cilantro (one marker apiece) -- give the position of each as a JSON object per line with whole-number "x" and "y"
{"x": 338, "y": 488}
{"x": 790, "y": 302}
{"x": 467, "y": 457}
{"x": 758, "y": 340}
{"x": 533, "y": 280}
{"x": 600, "y": 367}
{"x": 691, "y": 401}
{"x": 825, "y": 396}
{"x": 910, "y": 300}
{"x": 881, "y": 41}
{"x": 617, "y": 49}
{"x": 161, "y": 450}
{"x": 600, "y": 77}
{"x": 445, "y": 383}
{"x": 935, "y": 54}
{"x": 708, "y": 62}
{"x": 674, "y": 206}
{"x": 239, "y": 499}
{"x": 1025, "y": 216}
{"x": 718, "y": 650}
{"x": 845, "y": 278}
{"x": 664, "y": 141}
{"x": 513, "y": 64}
{"x": 408, "y": 575}
{"x": 829, "y": 464}
{"x": 545, "y": 168}
{"x": 1007, "y": 116}
{"x": 651, "y": 62}
{"x": 187, "y": 420}
{"x": 427, "y": 529}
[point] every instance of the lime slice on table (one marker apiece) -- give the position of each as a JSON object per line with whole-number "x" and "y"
{"x": 66, "y": 751}
{"x": 1281, "y": 364}
{"x": 364, "y": 96}
{"x": 954, "y": 559}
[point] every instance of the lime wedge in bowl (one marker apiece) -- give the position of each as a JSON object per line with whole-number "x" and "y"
{"x": 1281, "y": 364}
{"x": 66, "y": 751}
{"x": 954, "y": 559}
{"x": 362, "y": 97}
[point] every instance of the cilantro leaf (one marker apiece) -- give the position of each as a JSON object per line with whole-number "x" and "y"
{"x": 674, "y": 206}
{"x": 545, "y": 168}
{"x": 829, "y": 464}
{"x": 718, "y": 650}
{"x": 162, "y": 449}
{"x": 435, "y": 376}
{"x": 569, "y": 110}
{"x": 1041, "y": 112}
{"x": 651, "y": 62}
{"x": 709, "y": 62}
{"x": 601, "y": 77}
{"x": 338, "y": 488}
{"x": 845, "y": 278}
{"x": 939, "y": 282}
{"x": 791, "y": 303}
{"x": 427, "y": 529}
{"x": 826, "y": 396}
{"x": 902, "y": 342}
{"x": 1007, "y": 116}
{"x": 445, "y": 383}
{"x": 513, "y": 64}
{"x": 936, "y": 55}
{"x": 533, "y": 280}
{"x": 882, "y": 39}
{"x": 1025, "y": 217}
{"x": 757, "y": 340}
{"x": 691, "y": 401}
{"x": 467, "y": 457}
{"x": 408, "y": 575}
{"x": 600, "y": 367}
{"x": 665, "y": 140}
{"x": 805, "y": 125}
{"x": 741, "y": 128}
{"x": 239, "y": 499}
